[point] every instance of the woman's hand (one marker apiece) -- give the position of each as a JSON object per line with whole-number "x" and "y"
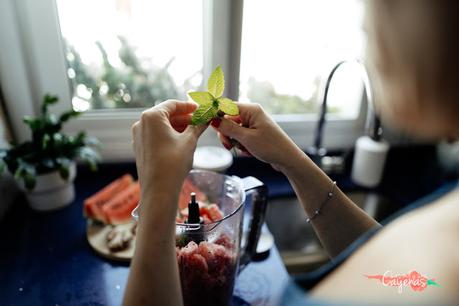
{"x": 259, "y": 135}
{"x": 164, "y": 144}
{"x": 342, "y": 221}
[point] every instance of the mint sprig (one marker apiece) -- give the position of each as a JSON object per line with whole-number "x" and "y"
{"x": 212, "y": 104}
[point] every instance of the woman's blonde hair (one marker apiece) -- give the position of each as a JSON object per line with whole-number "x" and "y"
{"x": 413, "y": 59}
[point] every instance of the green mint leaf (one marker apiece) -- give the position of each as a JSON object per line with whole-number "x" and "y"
{"x": 202, "y": 98}
{"x": 204, "y": 114}
{"x": 228, "y": 106}
{"x": 216, "y": 83}
{"x": 211, "y": 103}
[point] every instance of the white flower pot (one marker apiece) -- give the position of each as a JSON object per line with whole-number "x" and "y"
{"x": 51, "y": 190}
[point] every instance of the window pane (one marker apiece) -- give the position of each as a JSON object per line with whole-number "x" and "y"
{"x": 131, "y": 53}
{"x": 288, "y": 46}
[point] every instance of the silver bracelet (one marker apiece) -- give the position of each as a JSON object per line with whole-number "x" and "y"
{"x": 318, "y": 210}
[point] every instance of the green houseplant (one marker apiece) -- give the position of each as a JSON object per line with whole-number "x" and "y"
{"x": 44, "y": 166}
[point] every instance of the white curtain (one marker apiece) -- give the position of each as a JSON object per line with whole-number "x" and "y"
{"x": 8, "y": 189}
{"x": 4, "y": 133}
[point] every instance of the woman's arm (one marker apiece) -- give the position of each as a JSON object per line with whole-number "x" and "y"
{"x": 154, "y": 278}
{"x": 164, "y": 144}
{"x": 340, "y": 221}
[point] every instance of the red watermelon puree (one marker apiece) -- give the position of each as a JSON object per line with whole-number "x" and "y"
{"x": 207, "y": 271}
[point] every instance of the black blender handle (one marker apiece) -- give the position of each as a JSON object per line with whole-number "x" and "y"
{"x": 259, "y": 204}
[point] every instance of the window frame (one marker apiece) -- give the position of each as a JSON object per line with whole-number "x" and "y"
{"x": 36, "y": 65}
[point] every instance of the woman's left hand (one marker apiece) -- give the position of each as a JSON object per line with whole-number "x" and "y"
{"x": 164, "y": 144}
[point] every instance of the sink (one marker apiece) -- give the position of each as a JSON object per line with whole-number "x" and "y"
{"x": 295, "y": 239}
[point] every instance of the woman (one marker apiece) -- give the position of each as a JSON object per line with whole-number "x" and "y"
{"x": 412, "y": 59}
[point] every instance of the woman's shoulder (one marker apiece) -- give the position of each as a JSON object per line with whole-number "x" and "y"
{"x": 423, "y": 240}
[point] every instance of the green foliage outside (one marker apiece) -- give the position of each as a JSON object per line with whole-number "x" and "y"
{"x": 138, "y": 83}
{"x": 276, "y": 103}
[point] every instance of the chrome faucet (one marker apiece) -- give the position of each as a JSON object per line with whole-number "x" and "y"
{"x": 372, "y": 126}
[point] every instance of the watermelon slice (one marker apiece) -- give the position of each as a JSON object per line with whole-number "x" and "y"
{"x": 118, "y": 210}
{"x": 209, "y": 213}
{"x": 93, "y": 205}
{"x": 212, "y": 212}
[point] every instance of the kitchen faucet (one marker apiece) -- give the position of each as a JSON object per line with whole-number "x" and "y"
{"x": 372, "y": 126}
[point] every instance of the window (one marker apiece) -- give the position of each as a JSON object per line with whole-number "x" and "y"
{"x": 287, "y": 48}
{"x": 131, "y": 53}
{"x": 114, "y": 58}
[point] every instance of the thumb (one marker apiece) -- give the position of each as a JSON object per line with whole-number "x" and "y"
{"x": 196, "y": 130}
{"x": 231, "y": 129}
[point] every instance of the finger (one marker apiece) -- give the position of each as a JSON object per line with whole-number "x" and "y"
{"x": 175, "y": 107}
{"x": 134, "y": 127}
{"x": 236, "y": 119}
{"x": 180, "y": 120}
{"x": 196, "y": 130}
{"x": 244, "y": 152}
{"x": 245, "y": 108}
{"x": 243, "y": 149}
{"x": 226, "y": 142}
{"x": 180, "y": 128}
{"x": 232, "y": 129}
{"x": 248, "y": 114}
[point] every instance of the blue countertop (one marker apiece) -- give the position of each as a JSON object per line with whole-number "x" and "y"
{"x": 46, "y": 260}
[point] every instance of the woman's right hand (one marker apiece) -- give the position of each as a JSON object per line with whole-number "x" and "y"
{"x": 259, "y": 135}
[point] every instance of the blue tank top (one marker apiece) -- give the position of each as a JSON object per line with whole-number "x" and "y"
{"x": 295, "y": 293}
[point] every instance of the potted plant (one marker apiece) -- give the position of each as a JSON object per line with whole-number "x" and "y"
{"x": 44, "y": 166}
